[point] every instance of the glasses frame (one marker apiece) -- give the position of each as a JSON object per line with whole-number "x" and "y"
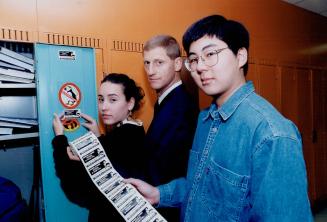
{"x": 188, "y": 65}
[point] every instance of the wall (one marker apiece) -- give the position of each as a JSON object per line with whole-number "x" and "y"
{"x": 280, "y": 33}
{"x": 288, "y": 54}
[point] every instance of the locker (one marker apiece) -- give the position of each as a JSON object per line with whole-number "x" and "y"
{"x": 66, "y": 80}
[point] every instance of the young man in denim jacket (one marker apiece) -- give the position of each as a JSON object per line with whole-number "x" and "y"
{"x": 246, "y": 162}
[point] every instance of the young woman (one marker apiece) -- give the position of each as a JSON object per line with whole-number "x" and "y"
{"x": 118, "y": 98}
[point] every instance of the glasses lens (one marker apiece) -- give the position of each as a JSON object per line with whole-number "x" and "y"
{"x": 187, "y": 65}
{"x": 211, "y": 58}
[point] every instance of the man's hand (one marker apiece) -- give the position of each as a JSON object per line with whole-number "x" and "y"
{"x": 148, "y": 191}
{"x": 91, "y": 124}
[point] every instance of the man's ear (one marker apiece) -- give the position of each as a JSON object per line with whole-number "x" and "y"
{"x": 242, "y": 56}
{"x": 178, "y": 64}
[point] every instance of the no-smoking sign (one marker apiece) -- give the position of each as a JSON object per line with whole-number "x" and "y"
{"x": 70, "y": 95}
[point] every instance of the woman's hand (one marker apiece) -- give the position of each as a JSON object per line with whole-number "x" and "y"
{"x": 71, "y": 155}
{"x": 58, "y": 128}
{"x": 91, "y": 124}
{"x": 148, "y": 191}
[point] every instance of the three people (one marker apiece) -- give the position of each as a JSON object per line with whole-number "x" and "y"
{"x": 118, "y": 98}
{"x": 170, "y": 134}
{"x": 246, "y": 161}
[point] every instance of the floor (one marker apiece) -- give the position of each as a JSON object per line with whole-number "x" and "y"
{"x": 321, "y": 216}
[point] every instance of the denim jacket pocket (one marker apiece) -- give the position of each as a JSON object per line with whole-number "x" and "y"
{"x": 224, "y": 192}
{"x": 193, "y": 161}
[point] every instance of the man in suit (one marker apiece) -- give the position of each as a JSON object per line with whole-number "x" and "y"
{"x": 170, "y": 135}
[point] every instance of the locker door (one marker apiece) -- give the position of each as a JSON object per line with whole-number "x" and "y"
{"x": 289, "y": 99}
{"x": 269, "y": 84}
{"x": 319, "y": 81}
{"x": 66, "y": 79}
{"x": 305, "y": 124}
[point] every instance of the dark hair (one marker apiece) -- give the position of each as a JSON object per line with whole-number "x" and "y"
{"x": 131, "y": 90}
{"x": 233, "y": 33}
{"x": 167, "y": 42}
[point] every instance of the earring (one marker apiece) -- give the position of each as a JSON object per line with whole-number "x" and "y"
{"x": 129, "y": 114}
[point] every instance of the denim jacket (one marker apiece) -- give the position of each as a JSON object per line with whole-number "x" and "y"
{"x": 246, "y": 164}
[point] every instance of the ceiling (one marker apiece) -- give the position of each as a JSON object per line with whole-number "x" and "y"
{"x": 317, "y": 6}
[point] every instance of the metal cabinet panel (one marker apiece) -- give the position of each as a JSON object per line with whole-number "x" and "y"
{"x": 56, "y": 66}
{"x": 18, "y": 107}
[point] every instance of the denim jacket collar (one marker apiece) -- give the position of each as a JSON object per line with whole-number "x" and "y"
{"x": 229, "y": 107}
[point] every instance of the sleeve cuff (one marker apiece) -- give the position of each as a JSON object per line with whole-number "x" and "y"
{"x": 60, "y": 141}
{"x": 165, "y": 195}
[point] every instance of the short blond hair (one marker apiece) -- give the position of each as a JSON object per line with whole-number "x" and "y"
{"x": 167, "y": 42}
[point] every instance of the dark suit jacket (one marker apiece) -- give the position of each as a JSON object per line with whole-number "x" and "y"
{"x": 170, "y": 136}
{"x": 169, "y": 139}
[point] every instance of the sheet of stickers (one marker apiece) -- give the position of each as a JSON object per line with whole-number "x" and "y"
{"x": 131, "y": 205}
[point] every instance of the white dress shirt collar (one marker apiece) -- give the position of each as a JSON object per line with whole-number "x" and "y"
{"x": 171, "y": 88}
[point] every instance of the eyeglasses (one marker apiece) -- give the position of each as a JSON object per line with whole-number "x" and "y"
{"x": 209, "y": 58}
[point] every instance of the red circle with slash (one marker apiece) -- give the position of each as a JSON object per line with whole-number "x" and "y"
{"x": 70, "y": 95}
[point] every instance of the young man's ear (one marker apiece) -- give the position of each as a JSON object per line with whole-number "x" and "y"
{"x": 242, "y": 56}
{"x": 178, "y": 64}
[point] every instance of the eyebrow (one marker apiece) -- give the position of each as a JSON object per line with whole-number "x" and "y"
{"x": 208, "y": 46}
{"x": 204, "y": 48}
{"x": 154, "y": 60}
{"x": 111, "y": 94}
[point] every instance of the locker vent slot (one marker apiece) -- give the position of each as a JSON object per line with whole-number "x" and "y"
{"x": 72, "y": 40}
{"x": 14, "y": 34}
{"x": 118, "y": 45}
{"x": 127, "y": 46}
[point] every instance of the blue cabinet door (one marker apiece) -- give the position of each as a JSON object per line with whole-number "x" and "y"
{"x": 66, "y": 80}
